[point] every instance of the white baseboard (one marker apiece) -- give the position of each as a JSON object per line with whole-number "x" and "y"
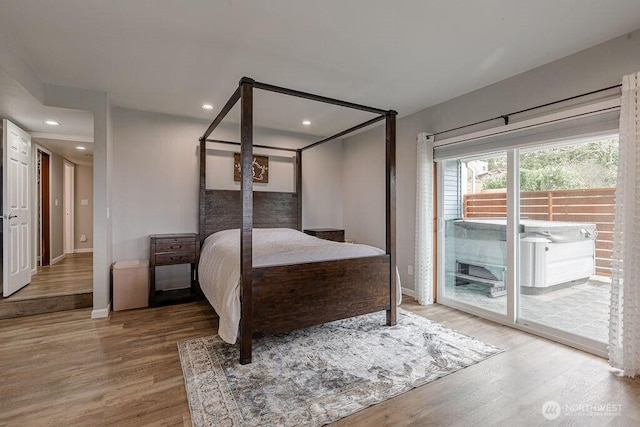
{"x": 409, "y": 292}
{"x": 83, "y": 251}
{"x": 57, "y": 259}
{"x": 101, "y": 313}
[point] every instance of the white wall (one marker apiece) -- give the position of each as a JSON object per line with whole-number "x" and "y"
{"x": 56, "y": 164}
{"x": 363, "y": 169}
{"x": 155, "y": 183}
{"x": 156, "y": 172}
{"x": 83, "y": 214}
{"x": 363, "y": 199}
{"x": 98, "y": 104}
{"x": 322, "y": 186}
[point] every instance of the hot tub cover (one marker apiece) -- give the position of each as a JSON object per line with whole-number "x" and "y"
{"x": 496, "y": 229}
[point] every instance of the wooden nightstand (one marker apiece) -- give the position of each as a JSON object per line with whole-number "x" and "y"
{"x": 333, "y": 234}
{"x": 172, "y": 249}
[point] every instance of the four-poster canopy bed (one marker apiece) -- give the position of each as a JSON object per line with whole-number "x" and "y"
{"x": 281, "y": 298}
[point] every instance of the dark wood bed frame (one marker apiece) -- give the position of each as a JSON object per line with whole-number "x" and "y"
{"x": 288, "y": 297}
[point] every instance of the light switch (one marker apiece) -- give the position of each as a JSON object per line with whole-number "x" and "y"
{"x": 84, "y": 202}
{"x": 56, "y": 202}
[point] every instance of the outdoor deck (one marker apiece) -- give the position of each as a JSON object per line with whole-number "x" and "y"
{"x": 582, "y": 309}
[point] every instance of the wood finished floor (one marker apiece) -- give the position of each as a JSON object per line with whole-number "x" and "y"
{"x": 66, "y": 369}
{"x": 72, "y": 275}
{"x": 63, "y": 286}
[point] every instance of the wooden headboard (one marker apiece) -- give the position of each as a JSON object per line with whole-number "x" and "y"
{"x": 223, "y": 211}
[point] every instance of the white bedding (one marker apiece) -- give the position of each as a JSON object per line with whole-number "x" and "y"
{"x": 219, "y": 267}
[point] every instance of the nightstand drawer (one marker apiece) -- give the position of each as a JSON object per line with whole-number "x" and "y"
{"x": 179, "y": 246}
{"x": 175, "y": 258}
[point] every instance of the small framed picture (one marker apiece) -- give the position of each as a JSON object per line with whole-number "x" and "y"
{"x": 260, "y": 168}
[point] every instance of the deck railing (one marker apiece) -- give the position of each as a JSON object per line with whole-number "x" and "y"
{"x": 593, "y": 205}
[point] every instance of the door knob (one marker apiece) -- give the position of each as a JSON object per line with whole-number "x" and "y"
{"x": 10, "y": 216}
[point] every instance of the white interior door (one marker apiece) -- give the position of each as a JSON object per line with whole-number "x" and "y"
{"x": 16, "y": 223}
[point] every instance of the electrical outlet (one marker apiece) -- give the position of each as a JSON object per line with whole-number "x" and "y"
{"x": 410, "y": 270}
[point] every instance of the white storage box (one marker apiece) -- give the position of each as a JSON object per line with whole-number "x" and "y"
{"x": 130, "y": 284}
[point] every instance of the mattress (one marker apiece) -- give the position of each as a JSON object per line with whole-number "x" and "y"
{"x": 219, "y": 266}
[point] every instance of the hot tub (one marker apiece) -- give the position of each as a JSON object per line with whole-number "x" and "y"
{"x": 552, "y": 253}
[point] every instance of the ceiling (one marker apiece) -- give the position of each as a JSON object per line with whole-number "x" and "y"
{"x": 19, "y": 106}
{"x": 68, "y": 150}
{"x": 171, "y": 56}
{"x": 75, "y": 129}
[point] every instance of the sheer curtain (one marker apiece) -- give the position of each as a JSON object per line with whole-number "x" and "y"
{"x": 424, "y": 220}
{"x": 624, "y": 326}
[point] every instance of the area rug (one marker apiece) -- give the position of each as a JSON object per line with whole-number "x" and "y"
{"x": 318, "y": 375}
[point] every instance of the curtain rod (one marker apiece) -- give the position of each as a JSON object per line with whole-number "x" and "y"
{"x": 505, "y": 117}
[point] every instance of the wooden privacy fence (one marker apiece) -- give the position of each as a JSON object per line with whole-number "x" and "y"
{"x": 593, "y": 205}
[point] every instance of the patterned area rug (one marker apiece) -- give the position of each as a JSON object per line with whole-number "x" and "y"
{"x": 318, "y": 375}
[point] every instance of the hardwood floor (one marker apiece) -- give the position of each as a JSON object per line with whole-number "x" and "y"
{"x": 63, "y": 286}
{"x": 72, "y": 275}
{"x": 66, "y": 369}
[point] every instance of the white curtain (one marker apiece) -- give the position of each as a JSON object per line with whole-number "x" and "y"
{"x": 624, "y": 326}
{"x": 424, "y": 220}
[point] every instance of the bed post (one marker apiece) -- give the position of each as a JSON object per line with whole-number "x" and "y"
{"x": 391, "y": 213}
{"x": 202, "y": 216}
{"x": 246, "y": 186}
{"x": 299, "y": 186}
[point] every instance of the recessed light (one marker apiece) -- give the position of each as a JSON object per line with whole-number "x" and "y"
{"x": 51, "y": 123}
{"x": 80, "y": 147}
{"x": 207, "y": 107}
{"x": 306, "y": 122}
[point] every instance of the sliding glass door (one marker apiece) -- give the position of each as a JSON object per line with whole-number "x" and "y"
{"x": 567, "y": 200}
{"x": 475, "y": 257}
{"x": 525, "y": 237}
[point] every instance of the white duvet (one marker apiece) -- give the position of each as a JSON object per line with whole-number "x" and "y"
{"x": 219, "y": 267}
